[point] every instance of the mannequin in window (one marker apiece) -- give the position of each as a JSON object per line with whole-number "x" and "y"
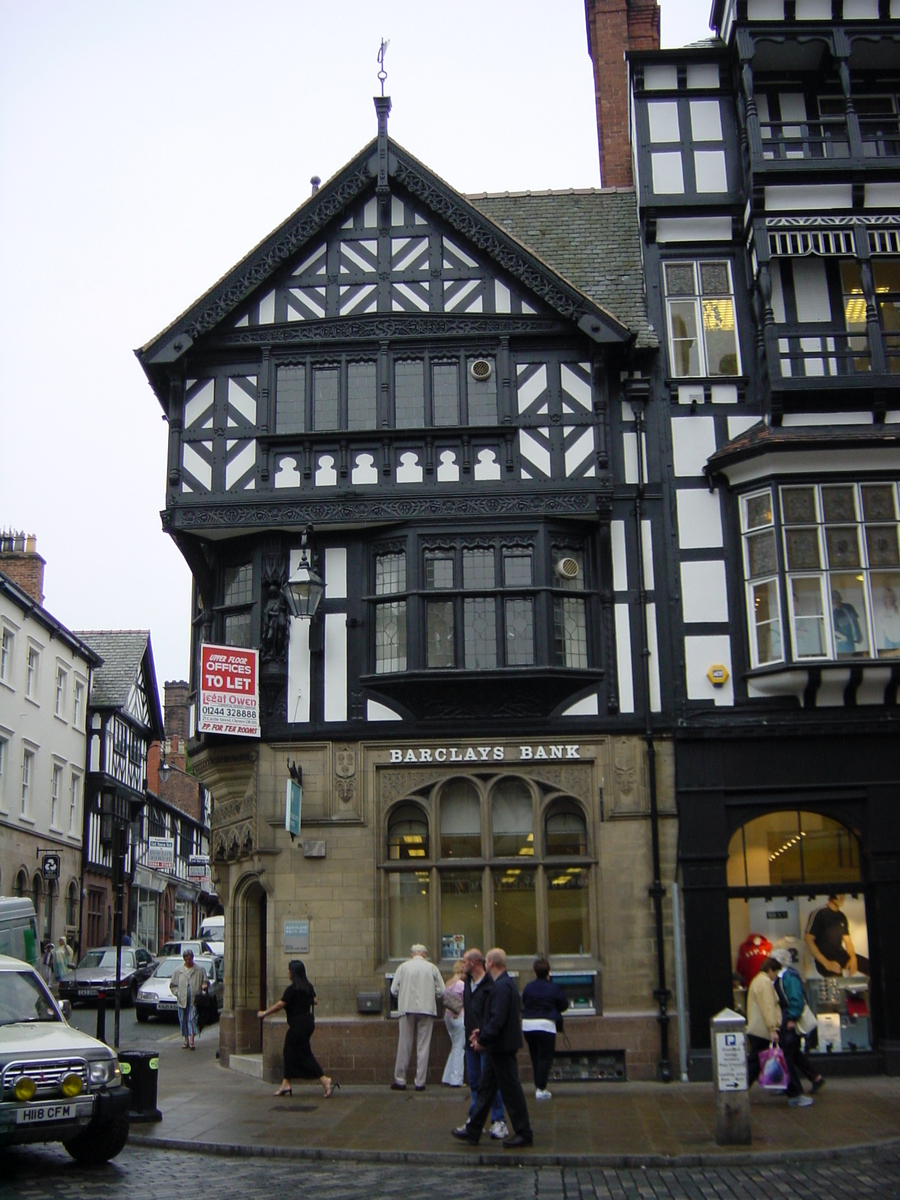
{"x": 847, "y": 632}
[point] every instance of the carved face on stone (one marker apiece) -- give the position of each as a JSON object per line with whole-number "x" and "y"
{"x": 345, "y": 763}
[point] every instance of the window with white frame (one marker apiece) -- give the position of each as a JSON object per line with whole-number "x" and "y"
{"x": 74, "y": 799}
{"x": 4, "y": 756}
{"x": 62, "y": 680}
{"x": 840, "y": 544}
{"x": 56, "y": 783}
{"x": 78, "y": 713}
{"x": 7, "y": 644}
{"x": 700, "y": 315}
{"x": 32, "y": 669}
{"x": 27, "y": 779}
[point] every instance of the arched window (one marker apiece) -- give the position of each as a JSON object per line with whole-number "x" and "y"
{"x": 512, "y": 819}
{"x": 565, "y": 831}
{"x": 21, "y": 885}
{"x": 407, "y": 833}
{"x": 794, "y": 883}
{"x": 460, "y": 820}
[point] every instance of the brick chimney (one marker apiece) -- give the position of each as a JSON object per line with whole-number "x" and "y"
{"x": 614, "y": 27}
{"x": 20, "y": 560}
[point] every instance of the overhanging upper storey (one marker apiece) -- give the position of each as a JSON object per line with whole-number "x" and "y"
{"x": 391, "y": 344}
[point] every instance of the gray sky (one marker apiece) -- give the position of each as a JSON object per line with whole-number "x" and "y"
{"x": 146, "y": 147}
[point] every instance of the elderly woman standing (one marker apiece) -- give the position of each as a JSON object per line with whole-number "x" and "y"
{"x": 455, "y": 1022}
{"x": 187, "y": 983}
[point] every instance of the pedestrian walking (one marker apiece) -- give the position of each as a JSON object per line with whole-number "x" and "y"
{"x": 187, "y": 983}
{"x": 792, "y": 997}
{"x": 298, "y": 1002}
{"x": 455, "y": 1024}
{"x": 475, "y": 994}
{"x": 60, "y": 960}
{"x": 501, "y": 1038}
{"x": 543, "y": 1003}
{"x": 418, "y": 986}
{"x": 763, "y": 1015}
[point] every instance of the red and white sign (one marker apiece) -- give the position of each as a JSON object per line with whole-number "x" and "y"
{"x": 229, "y": 691}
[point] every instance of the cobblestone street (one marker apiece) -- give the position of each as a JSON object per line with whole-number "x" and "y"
{"x": 47, "y": 1173}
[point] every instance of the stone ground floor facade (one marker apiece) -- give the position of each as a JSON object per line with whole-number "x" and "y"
{"x": 540, "y": 847}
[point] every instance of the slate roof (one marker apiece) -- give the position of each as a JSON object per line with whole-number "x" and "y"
{"x": 590, "y": 236}
{"x": 122, "y": 651}
{"x": 763, "y": 439}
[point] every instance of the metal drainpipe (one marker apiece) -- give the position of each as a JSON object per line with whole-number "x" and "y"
{"x": 638, "y": 397}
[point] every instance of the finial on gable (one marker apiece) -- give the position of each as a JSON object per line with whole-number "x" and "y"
{"x": 382, "y": 108}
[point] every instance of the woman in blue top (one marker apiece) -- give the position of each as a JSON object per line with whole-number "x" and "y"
{"x": 543, "y": 1004}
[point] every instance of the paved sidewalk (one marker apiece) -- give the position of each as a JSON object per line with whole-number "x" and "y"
{"x": 207, "y": 1107}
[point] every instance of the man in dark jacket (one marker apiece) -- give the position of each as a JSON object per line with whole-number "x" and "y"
{"x": 475, "y": 993}
{"x": 500, "y": 1036}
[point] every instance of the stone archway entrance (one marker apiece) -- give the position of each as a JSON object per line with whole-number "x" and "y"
{"x": 241, "y": 1030}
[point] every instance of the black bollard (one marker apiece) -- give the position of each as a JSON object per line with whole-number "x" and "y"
{"x": 101, "y": 1017}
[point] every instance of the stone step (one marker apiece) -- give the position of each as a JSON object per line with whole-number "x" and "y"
{"x": 246, "y": 1064}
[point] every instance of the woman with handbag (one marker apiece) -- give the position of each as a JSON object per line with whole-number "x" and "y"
{"x": 188, "y": 982}
{"x": 455, "y": 1023}
{"x": 543, "y": 1004}
{"x": 298, "y": 1002}
{"x": 763, "y": 1015}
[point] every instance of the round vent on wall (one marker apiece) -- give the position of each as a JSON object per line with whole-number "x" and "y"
{"x": 480, "y": 369}
{"x": 567, "y": 568}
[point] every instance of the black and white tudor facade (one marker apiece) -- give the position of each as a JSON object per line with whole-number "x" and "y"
{"x": 449, "y": 392}
{"x": 767, "y": 163}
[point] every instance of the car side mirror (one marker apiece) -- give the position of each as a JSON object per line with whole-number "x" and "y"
{"x": 66, "y": 1008}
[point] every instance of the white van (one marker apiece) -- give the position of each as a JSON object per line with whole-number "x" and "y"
{"x": 212, "y": 930}
{"x": 18, "y": 929}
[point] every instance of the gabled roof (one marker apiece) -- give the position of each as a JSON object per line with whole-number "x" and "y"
{"x": 127, "y": 663}
{"x": 30, "y": 607}
{"x": 608, "y": 219}
{"x": 590, "y": 236}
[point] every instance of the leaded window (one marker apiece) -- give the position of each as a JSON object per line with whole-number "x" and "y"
{"x": 701, "y": 319}
{"x": 237, "y": 600}
{"x": 390, "y": 616}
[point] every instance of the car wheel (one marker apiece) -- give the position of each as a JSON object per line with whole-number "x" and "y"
{"x": 99, "y": 1143}
{"x": 141, "y": 1013}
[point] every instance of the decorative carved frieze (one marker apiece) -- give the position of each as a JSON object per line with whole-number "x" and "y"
{"x": 575, "y": 779}
{"x": 396, "y": 327}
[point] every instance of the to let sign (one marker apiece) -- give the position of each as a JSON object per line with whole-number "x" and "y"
{"x": 161, "y": 853}
{"x": 229, "y": 691}
{"x": 198, "y": 866}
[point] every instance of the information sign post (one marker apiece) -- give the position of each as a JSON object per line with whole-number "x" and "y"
{"x": 728, "y": 1037}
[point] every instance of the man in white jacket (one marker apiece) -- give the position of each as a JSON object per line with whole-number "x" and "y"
{"x": 418, "y": 986}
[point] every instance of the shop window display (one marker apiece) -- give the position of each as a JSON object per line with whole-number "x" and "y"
{"x": 794, "y": 882}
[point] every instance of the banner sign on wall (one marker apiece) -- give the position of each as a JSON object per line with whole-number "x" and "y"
{"x": 229, "y": 691}
{"x": 161, "y": 853}
{"x": 198, "y": 866}
{"x": 292, "y": 806}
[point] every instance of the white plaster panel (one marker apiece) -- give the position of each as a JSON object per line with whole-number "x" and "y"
{"x": 739, "y": 425}
{"x": 647, "y": 539}
{"x": 892, "y": 417}
{"x": 838, "y": 418}
{"x": 629, "y": 441}
{"x": 335, "y": 666}
{"x": 700, "y": 653}
{"x": 699, "y": 519}
{"x": 662, "y": 117}
{"x": 709, "y": 171}
{"x": 667, "y": 171}
{"x": 660, "y": 77}
{"x": 813, "y": 10}
{"x": 693, "y": 229}
{"x": 822, "y": 197}
{"x": 619, "y": 559}
{"x": 882, "y": 195}
{"x": 623, "y": 659}
{"x": 693, "y": 441}
{"x": 336, "y": 573}
{"x": 703, "y": 75}
{"x": 765, "y": 10}
{"x": 724, "y": 393}
{"x": 653, "y": 663}
{"x": 587, "y": 706}
{"x": 706, "y": 121}
{"x": 811, "y": 290}
{"x": 860, "y": 10}
{"x": 704, "y": 596}
{"x": 691, "y": 393}
{"x": 874, "y": 681}
{"x": 830, "y": 693}
{"x": 380, "y": 712}
{"x": 298, "y": 670}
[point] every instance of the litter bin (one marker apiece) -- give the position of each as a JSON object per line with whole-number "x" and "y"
{"x": 140, "y": 1074}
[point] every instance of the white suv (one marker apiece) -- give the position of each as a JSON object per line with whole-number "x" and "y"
{"x": 56, "y": 1083}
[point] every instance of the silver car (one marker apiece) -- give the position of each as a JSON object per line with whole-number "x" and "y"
{"x": 154, "y": 999}
{"x": 57, "y": 1084}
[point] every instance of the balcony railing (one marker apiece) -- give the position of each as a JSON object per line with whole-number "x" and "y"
{"x": 829, "y": 139}
{"x": 817, "y": 353}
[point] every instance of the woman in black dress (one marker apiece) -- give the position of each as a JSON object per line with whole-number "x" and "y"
{"x": 299, "y": 1060}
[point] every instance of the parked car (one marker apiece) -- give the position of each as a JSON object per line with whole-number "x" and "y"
{"x": 155, "y": 999}
{"x": 18, "y": 929}
{"x": 213, "y": 930}
{"x": 58, "y": 1084}
{"x": 197, "y": 945}
{"x": 97, "y": 973}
